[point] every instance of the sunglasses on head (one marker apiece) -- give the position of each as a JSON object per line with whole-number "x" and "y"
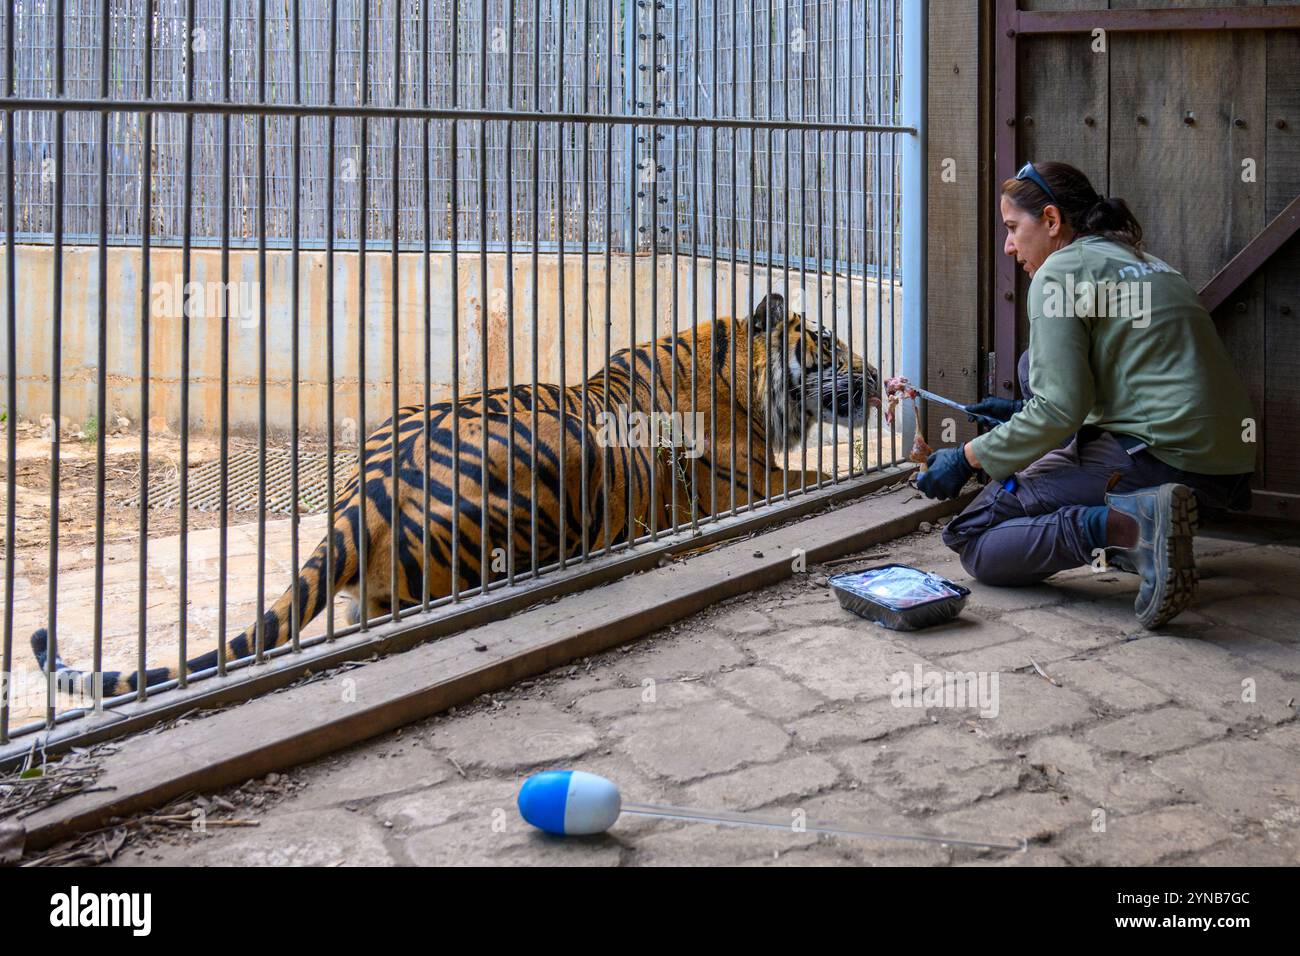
{"x": 1027, "y": 171}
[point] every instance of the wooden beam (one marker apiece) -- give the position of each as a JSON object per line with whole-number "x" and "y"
{"x": 1249, "y": 260}
{"x": 1151, "y": 20}
{"x": 1004, "y": 166}
{"x": 1274, "y": 504}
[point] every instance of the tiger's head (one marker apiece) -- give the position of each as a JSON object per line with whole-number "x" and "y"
{"x": 808, "y": 375}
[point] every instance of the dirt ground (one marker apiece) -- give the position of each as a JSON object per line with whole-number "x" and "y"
{"x": 78, "y": 491}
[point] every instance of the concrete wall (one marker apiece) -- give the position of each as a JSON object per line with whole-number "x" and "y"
{"x": 81, "y": 327}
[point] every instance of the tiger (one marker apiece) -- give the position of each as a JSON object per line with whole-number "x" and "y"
{"x": 762, "y": 384}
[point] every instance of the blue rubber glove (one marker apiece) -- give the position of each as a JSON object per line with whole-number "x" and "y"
{"x": 947, "y": 470}
{"x": 994, "y": 407}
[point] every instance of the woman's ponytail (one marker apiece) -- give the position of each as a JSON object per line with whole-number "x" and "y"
{"x": 1113, "y": 219}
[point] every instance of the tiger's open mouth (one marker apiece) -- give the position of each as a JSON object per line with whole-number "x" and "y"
{"x": 846, "y": 398}
{"x": 805, "y": 398}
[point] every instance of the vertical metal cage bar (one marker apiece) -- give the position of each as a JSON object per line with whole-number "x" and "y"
{"x": 849, "y": 139}
{"x": 893, "y": 205}
{"x": 146, "y": 255}
{"x": 607, "y": 452}
{"x": 879, "y": 236}
{"x": 510, "y": 309}
{"x": 695, "y": 264}
{"x": 395, "y": 532}
{"x": 866, "y": 243}
{"x": 182, "y": 602}
{"x": 785, "y": 259}
{"x": 295, "y": 333}
{"x": 713, "y": 271}
{"x": 363, "y": 236}
{"x": 652, "y": 222}
{"x": 769, "y": 453}
{"x": 223, "y": 558}
{"x": 56, "y": 380}
{"x": 585, "y": 419}
{"x": 803, "y": 265}
{"x": 533, "y": 563}
{"x": 835, "y": 246}
{"x": 913, "y": 188}
{"x": 454, "y": 67}
{"x": 484, "y": 333}
{"x": 676, "y": 466}
{"x": 632, "y": 107}
{"x": 750, "y": 410}
{"x": 732, "y": 243}
{"x": 821, "y": 318}
{"x": 259, "y": 652}
{"x": 330, "y": 452}
{"x": 426, "y": 416}
{"x": 11, "y": 385}
{"x": 562, "y": 406}
{"x": 101, "y": 382}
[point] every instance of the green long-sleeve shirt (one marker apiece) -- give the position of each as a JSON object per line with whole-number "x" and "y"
{"x": 1123, "y": 343}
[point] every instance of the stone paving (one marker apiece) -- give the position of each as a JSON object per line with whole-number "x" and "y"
{"x": 1109, "y": 745}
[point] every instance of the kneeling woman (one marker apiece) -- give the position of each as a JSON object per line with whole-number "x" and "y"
{"x": 1132, "y": 412}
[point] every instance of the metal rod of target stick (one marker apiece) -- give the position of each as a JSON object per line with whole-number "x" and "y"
{"x": 730, "y": 818}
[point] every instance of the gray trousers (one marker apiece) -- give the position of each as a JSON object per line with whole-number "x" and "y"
{"x": 1020, "y": 537}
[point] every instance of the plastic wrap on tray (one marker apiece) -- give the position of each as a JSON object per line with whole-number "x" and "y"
{"x": 899, "y": 597}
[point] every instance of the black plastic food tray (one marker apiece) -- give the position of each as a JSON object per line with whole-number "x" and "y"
{"x": 850, "y": 588}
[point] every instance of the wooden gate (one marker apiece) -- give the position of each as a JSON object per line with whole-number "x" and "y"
{"x": 1191, "y": 114}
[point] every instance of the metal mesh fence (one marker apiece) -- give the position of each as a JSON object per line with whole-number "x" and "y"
{"x": 813, "y": 61}
{"x": 520, "y": 79}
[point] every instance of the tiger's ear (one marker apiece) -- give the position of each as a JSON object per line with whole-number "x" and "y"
{"x": 769, "y": 314}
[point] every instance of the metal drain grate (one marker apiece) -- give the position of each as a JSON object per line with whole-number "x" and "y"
{"x": 205, "y": 483}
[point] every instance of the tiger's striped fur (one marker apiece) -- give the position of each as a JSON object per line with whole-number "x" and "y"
{"x": 793, "y": 377}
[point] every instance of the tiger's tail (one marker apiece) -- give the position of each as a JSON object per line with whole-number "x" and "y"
{"x": 309, "y": 587}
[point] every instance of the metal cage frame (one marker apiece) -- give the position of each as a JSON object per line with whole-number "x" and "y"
{"x": 769, "y": 133}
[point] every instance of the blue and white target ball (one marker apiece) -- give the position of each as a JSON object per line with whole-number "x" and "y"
{"x": 569, "y": 802}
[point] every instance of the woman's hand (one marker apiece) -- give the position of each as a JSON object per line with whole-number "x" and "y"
{"x": 1000, "y": 408}
{"x": 946, "y": 471}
